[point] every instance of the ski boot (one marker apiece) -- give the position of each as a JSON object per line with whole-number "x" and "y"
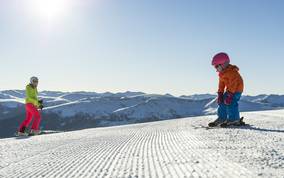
{"x": 22, "y": 132}
{"x": 215, "y": 123}
{"x": 34, "y": 132}
{"x": 233, "y": 123}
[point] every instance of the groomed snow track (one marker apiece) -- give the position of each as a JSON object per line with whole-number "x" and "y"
{"x": 173, "y": 148}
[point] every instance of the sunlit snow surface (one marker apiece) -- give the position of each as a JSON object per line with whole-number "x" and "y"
{"x": 172, "y": 148}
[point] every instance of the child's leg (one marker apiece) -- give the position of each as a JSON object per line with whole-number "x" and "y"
{"x": 37, "y": 118}
{"x": 28, "y": 119}
{"x": 222, "y": 111}
{"x": 233, "y": 109}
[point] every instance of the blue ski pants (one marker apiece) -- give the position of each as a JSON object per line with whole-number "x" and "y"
{"x": 230, "y": 112}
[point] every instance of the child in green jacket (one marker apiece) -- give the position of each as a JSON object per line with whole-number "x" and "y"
{"x": 32, "y": 106}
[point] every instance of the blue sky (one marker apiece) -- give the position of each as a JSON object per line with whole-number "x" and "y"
{"x": 154, "y": 46}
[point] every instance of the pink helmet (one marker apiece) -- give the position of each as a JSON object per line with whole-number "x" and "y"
{"x": 220, "y": 59}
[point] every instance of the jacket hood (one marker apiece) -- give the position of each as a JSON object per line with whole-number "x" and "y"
{"x": 233, "y": 67}
{"x": 229, "y": 68}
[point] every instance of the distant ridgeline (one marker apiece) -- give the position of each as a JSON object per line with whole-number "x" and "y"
{"x": 79, "y": 110}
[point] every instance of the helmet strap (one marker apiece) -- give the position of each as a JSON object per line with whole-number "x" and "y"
{"x": 219, "y": 68}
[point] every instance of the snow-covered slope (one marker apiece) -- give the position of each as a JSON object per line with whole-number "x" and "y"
{"x": 172, "y": 148}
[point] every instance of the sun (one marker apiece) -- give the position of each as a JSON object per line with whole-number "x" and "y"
{"x": 49, "y": 9}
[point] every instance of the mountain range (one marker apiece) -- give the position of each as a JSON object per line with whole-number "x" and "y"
{"x": 78, "y": 110}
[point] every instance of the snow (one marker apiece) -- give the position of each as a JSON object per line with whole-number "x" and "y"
{"x": 134, "y": 105}
{"x": 12, "y": 103}
{"x": 142, "y": 106}
{"x": 12, "y": 98}
{"x": 199, "y": 96}
{"x": 171, "y": 148}
{"x": 131, "y": 104}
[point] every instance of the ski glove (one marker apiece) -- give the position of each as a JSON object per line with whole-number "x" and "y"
{"x": 40, "y": 104}
{"x": 220, "y": 98}
{"x": 229, "y": 98}
{"x": 40, "y": 101}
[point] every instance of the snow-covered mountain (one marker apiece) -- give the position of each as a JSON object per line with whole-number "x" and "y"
{"x": 91, "y": 109}
{"x": 134, "y": 104}
{"x": 171, "y": 148}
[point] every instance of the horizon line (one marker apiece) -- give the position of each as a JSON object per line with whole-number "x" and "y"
{"x": 92, "y": 91}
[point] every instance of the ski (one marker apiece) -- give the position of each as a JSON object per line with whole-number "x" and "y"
{"x": 228, "y": 124}
{"x": 225, "y": 124}
{"x": 44, "y": 132}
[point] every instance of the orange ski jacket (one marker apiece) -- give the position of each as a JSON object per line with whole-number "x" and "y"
{"x": 231, "y": 80}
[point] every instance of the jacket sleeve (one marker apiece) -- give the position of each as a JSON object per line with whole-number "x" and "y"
{"x": 31, "y": 98}
{"x": 221, "y": 86}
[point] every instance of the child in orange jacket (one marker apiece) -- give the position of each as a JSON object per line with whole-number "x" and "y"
{"x": 230, "y": 90}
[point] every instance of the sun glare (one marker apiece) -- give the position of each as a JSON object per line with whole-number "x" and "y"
{"x": 49, "y": 9}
